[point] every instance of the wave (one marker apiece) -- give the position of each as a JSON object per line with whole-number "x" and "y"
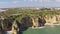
{"x": 38, "y": 27}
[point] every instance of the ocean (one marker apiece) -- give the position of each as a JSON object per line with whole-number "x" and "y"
{"x": 45, "y": 30}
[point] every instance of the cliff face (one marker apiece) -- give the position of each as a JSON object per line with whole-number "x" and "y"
{"x": 54, "y": 19}
{"x": 38, "y": 21}
{"x": 35, "y": 21}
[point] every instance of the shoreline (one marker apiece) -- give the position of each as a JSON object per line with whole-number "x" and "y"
{"x": 52, "y": 24}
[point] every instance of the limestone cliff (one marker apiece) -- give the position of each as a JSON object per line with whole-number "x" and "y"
{"x": 54, "y": 19}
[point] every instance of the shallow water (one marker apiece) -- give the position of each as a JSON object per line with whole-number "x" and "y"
{"x": 45, "y": 30}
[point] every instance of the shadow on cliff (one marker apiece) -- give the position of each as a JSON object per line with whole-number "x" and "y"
{"x": 41, "y": 22}
{"x": 26, "y": 23}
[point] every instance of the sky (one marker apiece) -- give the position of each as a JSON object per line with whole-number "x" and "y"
{"x": 29, "y": 3}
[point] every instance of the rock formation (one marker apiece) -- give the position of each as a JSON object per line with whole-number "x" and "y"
{"x": 28, "y": 21}
{"x": 54, "y": 19}
{"x": 15, "y": 28}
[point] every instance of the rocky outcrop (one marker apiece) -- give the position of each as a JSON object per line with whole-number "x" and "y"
{"x": 15, "y": 27}
{"x": 38, "y": 21}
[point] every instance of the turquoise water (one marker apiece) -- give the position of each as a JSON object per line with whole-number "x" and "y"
{"x": 45, "y": 30}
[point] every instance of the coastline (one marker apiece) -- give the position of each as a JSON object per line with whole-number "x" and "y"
{"x": 52, "y": 24}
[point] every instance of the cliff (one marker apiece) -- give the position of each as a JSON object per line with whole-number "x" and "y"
{"x": 54, "y": 19}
